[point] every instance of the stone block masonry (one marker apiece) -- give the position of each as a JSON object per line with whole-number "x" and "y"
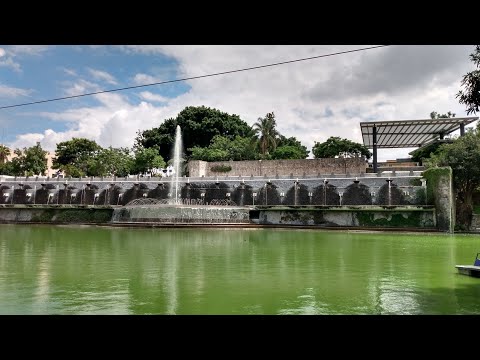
{"x": 273, "y": 168}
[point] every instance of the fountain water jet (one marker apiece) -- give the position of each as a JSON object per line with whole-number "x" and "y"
{"x": 177, "y": 160}
{"x": 177, "y": 210}
{"x": 295, "y": 184}
{"x": 389, "y": 181}
{"x": 325, "y": 182}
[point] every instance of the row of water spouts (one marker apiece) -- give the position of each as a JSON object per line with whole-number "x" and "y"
{"x": 176, "y": 200}
{"x": 51, "y": 195}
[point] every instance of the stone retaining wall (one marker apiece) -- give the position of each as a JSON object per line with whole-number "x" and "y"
{"x": 272, "y": 168}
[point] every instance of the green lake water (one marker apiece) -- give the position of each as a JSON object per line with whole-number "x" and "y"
{"x": 98, "y": 270}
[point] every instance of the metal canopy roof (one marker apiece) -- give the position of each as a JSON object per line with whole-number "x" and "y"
{"x": 409, "y": 133}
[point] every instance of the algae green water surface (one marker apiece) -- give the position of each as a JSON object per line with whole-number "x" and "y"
{"x": 97, "y": 270}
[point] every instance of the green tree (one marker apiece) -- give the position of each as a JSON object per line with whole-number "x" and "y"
{"x": 425, "y": 152}
{"x": 4, "y": 153}
{"x": 335, "y": 146}
{"x": 73, "y": 170}
{"x": 73, "y": 156}
{"x": 147, "y": 159}
{"x": 223, "y": 148}
{"x": 461, "y": 156}
{"x": 199, "y": 124}
{"x": 239, "y": 148}
{"x": 35, "y": 160}
{"x": 110, "y": 161}
{"x": 422, "y": 154}
{"x": 208, "y": 154}
{"x": 29, "y": 161}
{"x": 11, "y": 169}
{"x": 266, "y": 134}
{"x": 436, "y": 115}
{"x": 292, "y": 141}
{"x": 288, "y": 152}
{"x": 471, "y": 82}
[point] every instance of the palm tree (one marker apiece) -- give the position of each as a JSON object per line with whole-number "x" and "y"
{"x": 265, "y": 130}
{"x": 4, "y": 153}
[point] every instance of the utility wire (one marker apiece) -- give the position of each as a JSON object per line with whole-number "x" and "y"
{"x": 192, "y": 77}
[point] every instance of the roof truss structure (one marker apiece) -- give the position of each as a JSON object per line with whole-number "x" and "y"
{"x": 410, "y": 133}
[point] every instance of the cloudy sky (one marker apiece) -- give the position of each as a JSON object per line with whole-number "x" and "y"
{"x": 312, "y": 100}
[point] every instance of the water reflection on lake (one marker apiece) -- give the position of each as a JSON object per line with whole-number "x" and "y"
{"x": 92, "y": 270}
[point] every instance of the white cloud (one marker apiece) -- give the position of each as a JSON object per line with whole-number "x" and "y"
{"x": 147, "y": 95}
{"x": 312, "y": 100}
{"x": 7, "y": 54}
{"x": 7, "y": 91}
{"x": 27, "y": 140}
{"x": 8, "y": 62}
{"x": 28, "y": 49}
{"x": 142, "y": 79}
{"x": 102, "y": 76}
{"x": 81, "y": 87}
{"x": 115, "y": 123}
{"x": 70, "y": 72}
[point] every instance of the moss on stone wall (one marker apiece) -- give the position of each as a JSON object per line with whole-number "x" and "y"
{"x": 390, "y": 219}
{"x": 84, "y": 215}
{"x": 393, "y": 220}
{"x": 415, "y": 182}
{"x": 433, "y": 176}
{"x": 420, "y": 197}
{"x": 45, "y": 215}
{"x": 297, "y": 216}
{"x": 73, "y": 215}
{"x": 440, "y": 194}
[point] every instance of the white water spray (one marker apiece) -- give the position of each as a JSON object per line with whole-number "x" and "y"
{"x": 177, "y": 164}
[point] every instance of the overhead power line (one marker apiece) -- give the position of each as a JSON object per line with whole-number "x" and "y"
{"x": 193, "y": 77}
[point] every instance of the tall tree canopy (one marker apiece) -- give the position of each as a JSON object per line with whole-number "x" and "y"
{"x": 29, "y": 161}
{"x": 110, "y": 162}
{"x": 4, "y": 153}
{"x": 146, "y": 160}
{"x": 424, "y": 153}
{"x": 72, "y": 156}
{"x": 34, "y": 160}
{"x": 462, "y": 156}
{"x": 288, "y": 152}
{"x": 222, "y": 149}
{"x": 335, "y": 146}
{"x": 199, "y": 124}
{"x": 295, "y": 149}
{"x": 436, "y": 115}
{"x": 470, "y": 96}
{"x": 266, "y": 132}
